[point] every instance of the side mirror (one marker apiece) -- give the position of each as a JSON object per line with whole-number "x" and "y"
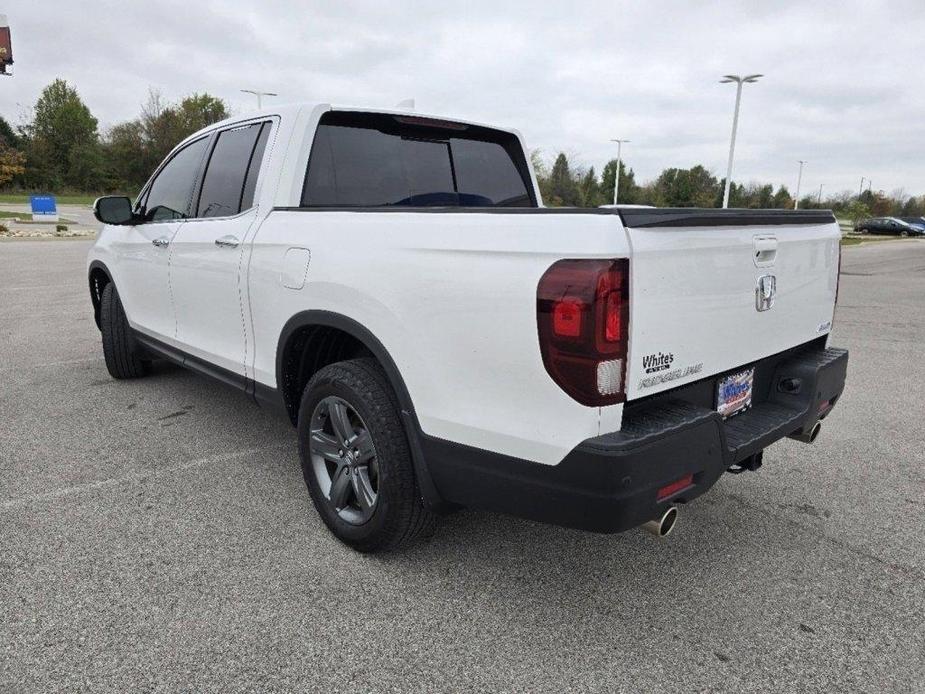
{"x": 113, "y": 209}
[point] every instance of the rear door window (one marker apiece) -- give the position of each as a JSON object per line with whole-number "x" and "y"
{"x": 228, "y": 185}
{"x": 380, "y": 160}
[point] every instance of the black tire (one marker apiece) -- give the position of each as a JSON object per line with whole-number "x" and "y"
{"x": 398, "y": 516}
{"x": 124, "y": 357}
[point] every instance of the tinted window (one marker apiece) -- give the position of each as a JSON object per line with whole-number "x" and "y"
{"x": 170, "y": 193}
{"x": 487, "y": 169}
{"x": 373, "y": 160}
{"x": 223, "y": 184}
{"x": 250, "y": 183}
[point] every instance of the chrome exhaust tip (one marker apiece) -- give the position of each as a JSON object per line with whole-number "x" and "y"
{"x": 809, "y": 436}
{"x": 663, "y": 525}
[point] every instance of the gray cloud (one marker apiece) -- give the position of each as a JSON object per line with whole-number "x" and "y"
{"x": 843, "y": 87}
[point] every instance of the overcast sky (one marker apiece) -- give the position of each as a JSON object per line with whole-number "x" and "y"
{"x": 843, "y": 85}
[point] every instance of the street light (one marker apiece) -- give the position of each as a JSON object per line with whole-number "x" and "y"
{"x": 861, "y": 187}
{"x": 820, "y": 192}
{"x": 735, "y": 122}
{"x": 796, "y": 201}
{"x": 616, "y": 178}
{"x": 258, "y": 95}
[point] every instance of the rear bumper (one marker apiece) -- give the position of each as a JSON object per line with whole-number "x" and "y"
{"x": 610, "y": 483}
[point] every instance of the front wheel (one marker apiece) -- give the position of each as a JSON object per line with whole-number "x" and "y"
{"x": 124, "y": 357}
{"x": 355, "y": 458}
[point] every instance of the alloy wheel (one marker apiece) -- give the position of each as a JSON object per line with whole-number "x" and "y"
{"x": 344, "y": 460}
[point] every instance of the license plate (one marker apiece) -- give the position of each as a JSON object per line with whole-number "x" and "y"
{"x": 734, "y": 392}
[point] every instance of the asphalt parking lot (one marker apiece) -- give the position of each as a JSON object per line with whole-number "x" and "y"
{"x": 157, "y": 535}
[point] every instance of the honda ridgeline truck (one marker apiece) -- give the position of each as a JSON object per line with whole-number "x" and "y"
{"x": 392, "y": 284}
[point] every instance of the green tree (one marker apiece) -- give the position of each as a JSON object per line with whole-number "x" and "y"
{"x": 694, "y": 187}
{"x": 165, "y": 125}
{"x": 629, "y": 191}
{"x": 857, "y": 211}
{"x": 63, "y": 139}
{"x": 197, "y": 111}
{"x": 589, "y": 191}
{"x": 128, "y": 163}
{"x": 913, "y": 207}
{"x": 782, "y": 199}
{"x": 8, "y": 136}
{"x": 563, "y": 190}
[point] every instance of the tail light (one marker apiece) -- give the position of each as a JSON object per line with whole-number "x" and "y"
{"x": 582, "y": 313}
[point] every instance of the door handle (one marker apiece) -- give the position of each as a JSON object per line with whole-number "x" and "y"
{"x": 227, "y": 242}
{"x": 162, "y": 242}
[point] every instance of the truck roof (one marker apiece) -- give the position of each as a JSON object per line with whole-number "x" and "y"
{"x": 293, "y": 109}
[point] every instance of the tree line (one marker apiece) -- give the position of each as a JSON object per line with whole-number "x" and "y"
{"x": 564, "y": 184}
{"x": 60, "y": 148}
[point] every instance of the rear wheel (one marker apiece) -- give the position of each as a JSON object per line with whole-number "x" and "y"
{"x": 355, "y": 458}
{"x": 124, "y": 357}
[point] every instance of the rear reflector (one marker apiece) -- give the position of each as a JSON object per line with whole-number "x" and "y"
{"x": 675, "y": 487}
{"x": 610, "y": 377}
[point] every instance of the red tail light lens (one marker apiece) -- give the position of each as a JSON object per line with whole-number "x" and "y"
{"x": 566, "y": 318}
{"x": 582, "y": 310}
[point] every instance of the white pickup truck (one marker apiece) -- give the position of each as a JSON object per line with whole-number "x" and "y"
{"x": 393, "y": 284}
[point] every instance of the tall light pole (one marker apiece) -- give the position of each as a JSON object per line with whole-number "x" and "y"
{"x": 861, "y": 187}
{"x": 820, "y": 192}
{"x": 796, "y": 200}
{"x": 616, "y": 178}
{"x": 735, "y": 123}
{"x": 258, "y": 95}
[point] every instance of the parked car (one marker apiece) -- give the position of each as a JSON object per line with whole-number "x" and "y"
{"x": 392, "y": 284}
{"x": 916, "y": 225}
{"x": 910, "y": 226}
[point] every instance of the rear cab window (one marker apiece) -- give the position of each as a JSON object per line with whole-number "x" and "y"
{"x": 383, "y": 160}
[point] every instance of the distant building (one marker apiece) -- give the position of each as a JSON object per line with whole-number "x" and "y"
{"x": 6, "y": 46}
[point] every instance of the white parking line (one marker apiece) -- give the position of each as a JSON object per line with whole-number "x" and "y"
{"x": 14, "y": 504}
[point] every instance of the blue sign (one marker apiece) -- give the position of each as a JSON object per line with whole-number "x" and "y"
{"x": 43, "y": 205}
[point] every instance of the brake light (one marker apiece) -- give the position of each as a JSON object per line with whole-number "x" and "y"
{"x": 582, "y": 312}
{"x": 566, "y": 318}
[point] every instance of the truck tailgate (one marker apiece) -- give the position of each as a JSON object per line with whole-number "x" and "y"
{"x": 713, "y": 290}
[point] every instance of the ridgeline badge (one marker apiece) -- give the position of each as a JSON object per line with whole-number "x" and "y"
{"x": 657, "y": 362}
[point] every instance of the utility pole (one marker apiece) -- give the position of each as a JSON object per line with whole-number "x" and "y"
{"x": 796, "y": 199}
{"x": 735, "y": 123}
{"x": 861, "y": 187}
{"x": 616, "y": 178}
{"x": 820, "y": 192}
{"x": 259, "y": 94}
